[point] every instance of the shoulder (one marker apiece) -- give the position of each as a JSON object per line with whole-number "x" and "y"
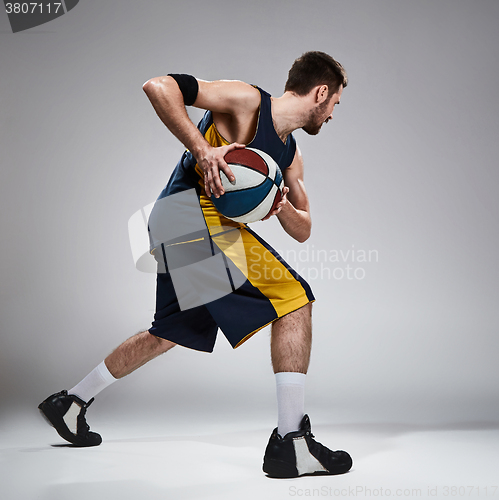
{"x": 291, "y": 153}
{"x": 227, "y": 96}
{"x": 296, "y": 166}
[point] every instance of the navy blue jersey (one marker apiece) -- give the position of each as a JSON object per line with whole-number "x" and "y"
{"x": 268, "y": 287}
{"x": 188, "y": 175}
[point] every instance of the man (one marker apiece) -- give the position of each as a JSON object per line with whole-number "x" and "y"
{"x": 238, "y": 115}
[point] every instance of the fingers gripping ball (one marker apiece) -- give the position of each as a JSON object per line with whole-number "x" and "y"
{"x": 257, "y": 188}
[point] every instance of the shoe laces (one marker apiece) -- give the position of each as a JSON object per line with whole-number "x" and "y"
{"x": 83, "y": 427}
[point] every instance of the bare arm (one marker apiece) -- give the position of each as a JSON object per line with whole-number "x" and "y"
{"x": 229, "y": 99}
{"x": 293, "y": 211}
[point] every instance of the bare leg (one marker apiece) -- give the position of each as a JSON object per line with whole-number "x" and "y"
{"x": 135, "y": 352}
{"x": 66, "y": 410}
{"x": 291, "y": 341}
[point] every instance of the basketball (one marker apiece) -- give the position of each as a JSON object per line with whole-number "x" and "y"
{"x": 256, "y": 190}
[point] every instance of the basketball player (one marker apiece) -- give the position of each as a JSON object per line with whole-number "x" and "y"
{"x": 237, "y": 115}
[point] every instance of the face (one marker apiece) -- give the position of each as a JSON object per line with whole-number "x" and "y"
{"x": 322, "y": 113}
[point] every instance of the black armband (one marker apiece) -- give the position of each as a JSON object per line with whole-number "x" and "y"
{"x": 189, "y": 87}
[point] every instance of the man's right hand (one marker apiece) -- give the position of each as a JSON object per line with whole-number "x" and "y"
{"x": 211, "y": 161}
{"x": 224, "y": 98}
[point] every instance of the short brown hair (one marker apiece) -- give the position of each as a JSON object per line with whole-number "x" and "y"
{"x": 313, "y": 69}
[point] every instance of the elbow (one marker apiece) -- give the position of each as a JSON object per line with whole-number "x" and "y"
{"x": 160, "y": 86}
{"x": 306, "y": 231}
{"x": 304, "y": 235}
{"x": 150, "y": 86}
{"x": 157, "y": 85}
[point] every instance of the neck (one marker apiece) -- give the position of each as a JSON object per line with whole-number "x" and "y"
{"x": 289, "y": 112}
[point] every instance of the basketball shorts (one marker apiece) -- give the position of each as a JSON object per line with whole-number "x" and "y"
{"x": 228, "y": 279}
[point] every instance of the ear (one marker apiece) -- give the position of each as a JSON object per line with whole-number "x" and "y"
{"x": 321, "y": 93}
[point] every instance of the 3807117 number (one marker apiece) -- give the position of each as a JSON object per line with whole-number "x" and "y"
{"x": 32, "y": 8}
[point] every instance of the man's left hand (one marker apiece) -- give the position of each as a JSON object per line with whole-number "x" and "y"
{"x": 280, "y": 205}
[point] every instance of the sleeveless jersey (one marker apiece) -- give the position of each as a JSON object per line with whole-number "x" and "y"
{"x": 188, "y": 175}
{"x": 270, "y": 289}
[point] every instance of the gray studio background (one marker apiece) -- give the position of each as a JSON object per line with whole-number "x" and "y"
{"x": 406, "y": 170}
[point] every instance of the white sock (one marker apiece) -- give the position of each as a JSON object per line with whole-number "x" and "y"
{"x": 97, "y": 380}
{"x": 290, "y": 401}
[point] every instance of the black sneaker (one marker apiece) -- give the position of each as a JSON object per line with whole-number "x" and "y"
{"x": 66, "y": 413}
{"x": 298, "y": 454}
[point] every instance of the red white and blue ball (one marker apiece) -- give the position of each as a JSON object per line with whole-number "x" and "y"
{"x": 256, "y": 190}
